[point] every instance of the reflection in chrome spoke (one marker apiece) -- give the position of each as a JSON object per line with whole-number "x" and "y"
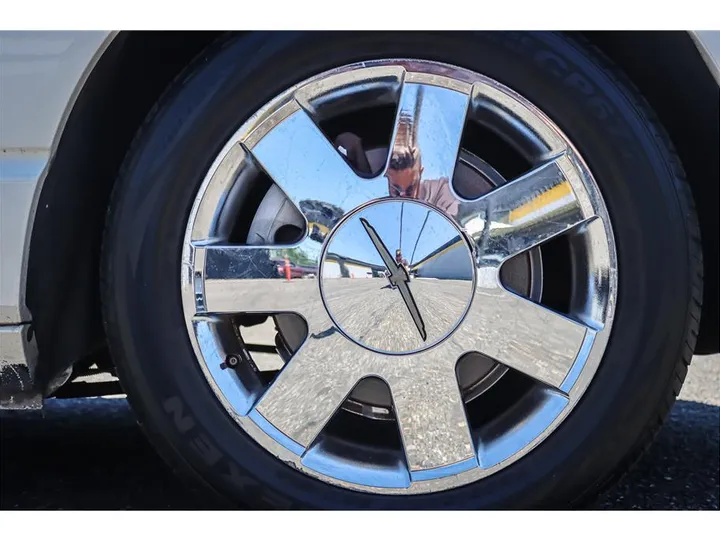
{"x": 524, "y": 213}
{"x": 426, "y": 142}
{"x": 521, "y": 335}
{"x": 246, "y": 279}
{"x": 312, "y": 386}
{"x": 431, "y": 415}
{"x": 300, "y": 159}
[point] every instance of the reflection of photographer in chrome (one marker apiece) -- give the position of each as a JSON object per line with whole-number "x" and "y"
{"x": 404, "y": 174}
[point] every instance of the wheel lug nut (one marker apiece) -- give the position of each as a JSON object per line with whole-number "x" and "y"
{"x": 232, "y": 361}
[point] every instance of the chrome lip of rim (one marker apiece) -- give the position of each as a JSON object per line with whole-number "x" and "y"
{"x": 505, "y": 222}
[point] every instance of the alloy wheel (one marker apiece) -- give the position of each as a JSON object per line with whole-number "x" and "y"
{"x": 400, "y": 313}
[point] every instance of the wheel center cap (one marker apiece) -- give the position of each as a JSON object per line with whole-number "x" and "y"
{"x": 397, "y": 276}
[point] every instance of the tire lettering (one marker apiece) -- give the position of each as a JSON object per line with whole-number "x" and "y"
{"x": 206, "y": 450}
{"x": 601, "y": 108}
{"x": 276, "y": 501}
{"x": 211, "y": 456}
{"x": 575, "y": 80}
{"x": 597, "y": 105}
{"x": 551, "y": 62}
{"x": 174, "y": 407}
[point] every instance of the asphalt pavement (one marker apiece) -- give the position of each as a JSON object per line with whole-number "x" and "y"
{"x": 90, "y": 454}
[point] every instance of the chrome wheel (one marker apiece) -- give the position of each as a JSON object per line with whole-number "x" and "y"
{"x": 366, "y": 314}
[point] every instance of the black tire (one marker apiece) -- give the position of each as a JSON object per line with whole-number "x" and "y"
{"x": 640, "y": 177}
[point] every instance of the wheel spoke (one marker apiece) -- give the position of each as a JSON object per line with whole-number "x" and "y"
{"x": 252, "y": 279}
{"x": 312, "y": 386}
{"x": 306, "y": 166}
{"x": 426, "y": 141}
{"x": 525, "y": 212}
{"x": 431, "y": 417}
{"x": 522, "y": 335}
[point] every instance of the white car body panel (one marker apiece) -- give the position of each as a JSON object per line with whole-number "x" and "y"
{"x": 708, "y": 43}
{"x": 41, "y": 74}
{"x": 20, "y": 170}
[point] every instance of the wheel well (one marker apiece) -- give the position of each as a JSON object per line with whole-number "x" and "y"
{"x": 63, "y": 265}
{"x": 63, "y": 280}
